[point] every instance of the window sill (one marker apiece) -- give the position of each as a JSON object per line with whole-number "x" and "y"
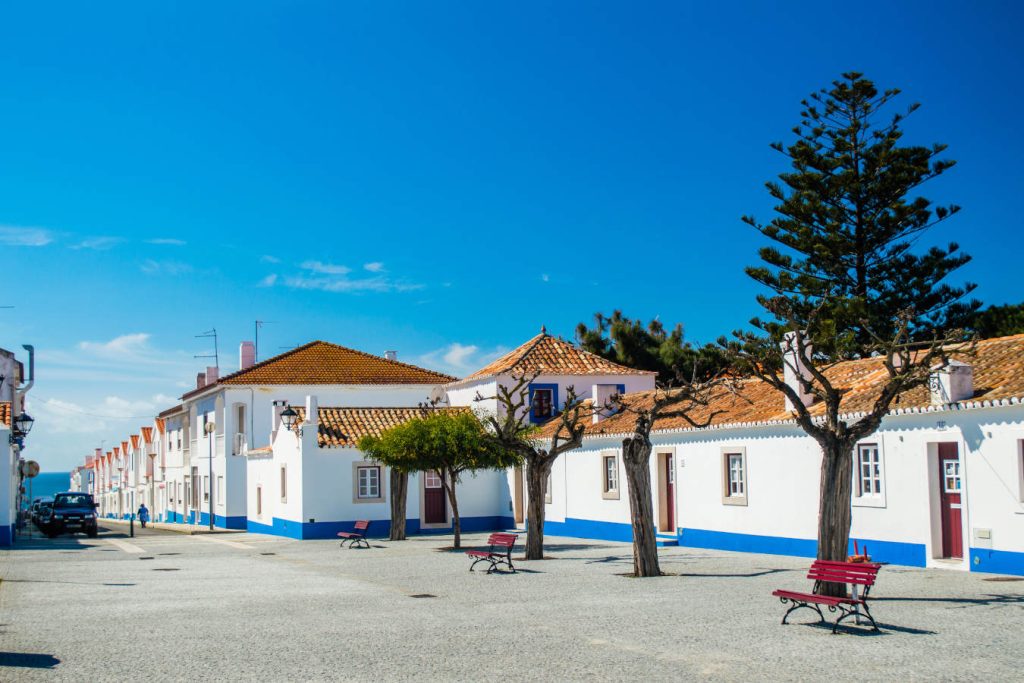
{"x": 868, "y": 502}
{"x": 610, "y": 495}
{"x": 359, "y": 501}
{"x": 734, "y": 500}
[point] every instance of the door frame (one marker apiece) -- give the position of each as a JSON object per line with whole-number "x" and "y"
{"x": 934, "y": 550}
{"x": 447, "y": 524}
{"x": 518, "y": 497}
{"x": 668, "y": 506}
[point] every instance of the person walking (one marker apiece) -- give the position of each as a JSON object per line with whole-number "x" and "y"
{"x": 143, "y": 515}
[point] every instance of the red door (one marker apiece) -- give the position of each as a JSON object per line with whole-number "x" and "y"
{"x": 670, "y": 493}
{"x": 949, "y": 496}
{"x": 434, "y": 511}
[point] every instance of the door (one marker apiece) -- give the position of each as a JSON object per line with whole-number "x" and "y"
{"x": 949, "y": 497}
{"x": 517, "y": 495}
{"x": 670, "y": 493}
{"x": 434, "y": 511}
{"x": 194, "y": 515}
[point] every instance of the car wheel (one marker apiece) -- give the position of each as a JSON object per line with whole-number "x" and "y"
{"x": 92, "y": 533}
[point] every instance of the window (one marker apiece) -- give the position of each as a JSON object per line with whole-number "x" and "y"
{"x": 259, "y": 501}
{"x": 547, "y": 489}
{"x": 369, "y": 482}
{"x": 543, "y": 399}
{"x": 284, "y": 483}
{"x": 734, "y": 464}
{"x": 610, "y": 476}
{"x": 869, "y": 470}
{"x": 366, "y": 482}
{"x": 951, "y": 476}
{"x": 220, "y": 490}
{"x": 206, "y": 489}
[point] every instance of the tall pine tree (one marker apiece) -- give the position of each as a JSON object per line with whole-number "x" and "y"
{"x": 846, "y": 278}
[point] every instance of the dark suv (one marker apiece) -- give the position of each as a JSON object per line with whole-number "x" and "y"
{"x": 72, "y": 512}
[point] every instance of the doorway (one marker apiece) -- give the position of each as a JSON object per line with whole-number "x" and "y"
{"x": 517, "y": 496}
{"x": 434, "y": 509}
{"x": 949, "y": 501}
{"x": 666, "y": 493}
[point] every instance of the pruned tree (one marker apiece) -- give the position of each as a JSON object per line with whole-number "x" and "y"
{"x": 394, "y": 449}
{"x": 513, "y": 431}
{"x": 845, "y": 281}
{"x": 449, "y": 442}
{"x": 689, "y": 400}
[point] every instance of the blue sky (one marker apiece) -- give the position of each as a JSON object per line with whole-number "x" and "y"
{"x": 436, "y": 178}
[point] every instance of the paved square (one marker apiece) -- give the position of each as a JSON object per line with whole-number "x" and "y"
{"x": 164, "y": 606}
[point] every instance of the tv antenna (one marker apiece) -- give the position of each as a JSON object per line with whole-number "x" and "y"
{"x": 256, "y": 343}
{"x": 216, "y": 354}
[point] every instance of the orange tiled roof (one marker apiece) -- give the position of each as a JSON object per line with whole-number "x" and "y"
{"x": 160, "y": 424}
{"x": 124, "y": 447}
{"x": 998, "y": 375}
{"x": 343, "y": 427}
{"x": 135, "y": 441}
{"x": 117, "y": 451}
{"x": 147, "y": 434}
{"x": 321, "y": 362}
{"x": 552, "y": 356}
{"x": 5, "y": 413}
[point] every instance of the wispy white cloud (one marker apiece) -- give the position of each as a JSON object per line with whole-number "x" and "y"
{"x": 22, "y": 236}
{"x": 544, "y": 277}
{"x": 325, "y": 268}
{"x": 460, "y": 359}
{"x": 374, "y": 267}
{"x": 153, "y": 267}
{"x": 98, "y": 243}
{"x": 269, "y": 259}
{"x": 168, "y": 241}
{"x": 269, "y": 280}
{"x": 126, "y": 344}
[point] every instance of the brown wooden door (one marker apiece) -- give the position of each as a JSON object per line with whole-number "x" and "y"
{"x": 434, "y": 511}
{"x": 949, "y": 497}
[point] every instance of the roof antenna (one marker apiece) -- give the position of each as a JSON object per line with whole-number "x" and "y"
{"x": 216, "y": 355}
{"x": 543, "y": 329}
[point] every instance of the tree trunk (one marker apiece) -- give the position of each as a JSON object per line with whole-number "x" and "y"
{"x": 537, "y": 473}
{"x": 399, "y": 494}
{"x": 448, "y": 479}
{"x": 636, "y": 456}
{"x": 834, "y": 509}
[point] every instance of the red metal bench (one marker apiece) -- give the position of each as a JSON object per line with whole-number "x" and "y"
{"x": 499, "y": 552}
{"x": 857, "y": 574}
{"x": 357, "y": 535}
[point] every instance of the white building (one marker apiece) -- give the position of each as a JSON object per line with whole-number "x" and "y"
{"x": 314, "y": 482}
{"x": 12, "y": 404}
{"x": 940, "y": 484}
{"x": 239, "y": 407}
{"x": 557, "y": 365}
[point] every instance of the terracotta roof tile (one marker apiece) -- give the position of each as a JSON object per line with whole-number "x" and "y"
{"x": 124, "y": 447}
{"x": 552, "y": 356}
{"x": 147, "y": 434}
{"x": 343, "y": 427}
{"x": 320, "y": 362}
{"x": 135, "y": 441}
{"x": 5, "y": 413}
{"x": 998, "y": 374}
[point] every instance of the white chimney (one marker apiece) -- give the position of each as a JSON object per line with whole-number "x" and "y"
{"x": 312, "y": 412}
{"x": 246, "y": 355}
{"x": 795, "y": 366}
{"x": 601, "y": 393}
{"x": 200, "y": 380}
{"x": 391, "y": 355}
{"x": 952, "y": 383}
{"x": 211, "y": 374}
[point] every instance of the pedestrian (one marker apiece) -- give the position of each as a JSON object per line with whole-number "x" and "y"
{"x": 143, "y": 515}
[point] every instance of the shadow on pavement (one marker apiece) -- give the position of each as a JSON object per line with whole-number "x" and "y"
{"x": 28, "y": 660}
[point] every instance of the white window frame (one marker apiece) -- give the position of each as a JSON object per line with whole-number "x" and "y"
{"x": 259, "y": 501}
{"x": 607, "y": 492}
{"x": 357, "y": 468}
{"x": 872, "y": 499}
{"x": 547, "y": 489}
{"x": 283, "y": 483}
{"x": 729, "y": 455}
{"x": 220, "y": 491}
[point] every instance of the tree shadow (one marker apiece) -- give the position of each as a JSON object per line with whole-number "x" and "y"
{"x": 28, "y": 660}
{"x": 985, "y": 601}
{"x": 865, "y": 630}
{"x": 750, "y": 575}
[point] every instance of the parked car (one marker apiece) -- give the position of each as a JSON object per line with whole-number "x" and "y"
{"x": 42, "y": 514}
{"x": 72, "y": 512}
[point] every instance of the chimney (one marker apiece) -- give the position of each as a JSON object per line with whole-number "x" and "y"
{"x": 951, "y": 383}
{"x": 211, "y": 374}
{"x": 600, "y": 394}
{"x": 795, "y": 367}
{"x": 246, "y": 355}
{"x": 312, "y": 412}
{"x": 391, "y": 355}
{"x": 200, "y": 380}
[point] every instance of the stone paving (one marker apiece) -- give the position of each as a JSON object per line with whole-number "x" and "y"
{"x": 250, "y": 607}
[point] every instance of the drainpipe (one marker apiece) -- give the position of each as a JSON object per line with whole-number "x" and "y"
{"x": 22, "y": 390}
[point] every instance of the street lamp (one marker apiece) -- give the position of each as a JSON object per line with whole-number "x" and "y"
{"x": 23, "y": 423}
{"x": 210, "y": 426}
{"x": 289, "y": 417}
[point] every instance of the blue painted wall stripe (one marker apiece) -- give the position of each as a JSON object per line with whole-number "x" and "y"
{"x": 997, "y": 561}
{"x": 379, "y": 528}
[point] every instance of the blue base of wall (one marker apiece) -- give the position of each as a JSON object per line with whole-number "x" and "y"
{"x": 219, "y": 521}
{"x": 379, "y": 528}
{"x": 588, "y": 528}
{"x": 997, "y": 561}
{"x": 6, "y": 535}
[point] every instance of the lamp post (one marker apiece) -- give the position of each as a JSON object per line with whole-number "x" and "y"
{"x": 210, "y": 426}
{"x": 288, "y": 417}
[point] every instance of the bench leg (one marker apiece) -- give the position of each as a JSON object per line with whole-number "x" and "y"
{"x": 798, "y": 605}
{"x": 854, "y": 613}
{"x": 479, "y": 559}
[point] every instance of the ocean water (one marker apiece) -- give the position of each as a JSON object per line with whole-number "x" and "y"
{"x": 46, "y": 484}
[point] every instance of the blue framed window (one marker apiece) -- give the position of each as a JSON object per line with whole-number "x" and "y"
{"x": 543, "y": 402}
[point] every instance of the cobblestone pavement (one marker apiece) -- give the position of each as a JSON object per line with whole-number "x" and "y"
{"x": 164, "y": 606}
